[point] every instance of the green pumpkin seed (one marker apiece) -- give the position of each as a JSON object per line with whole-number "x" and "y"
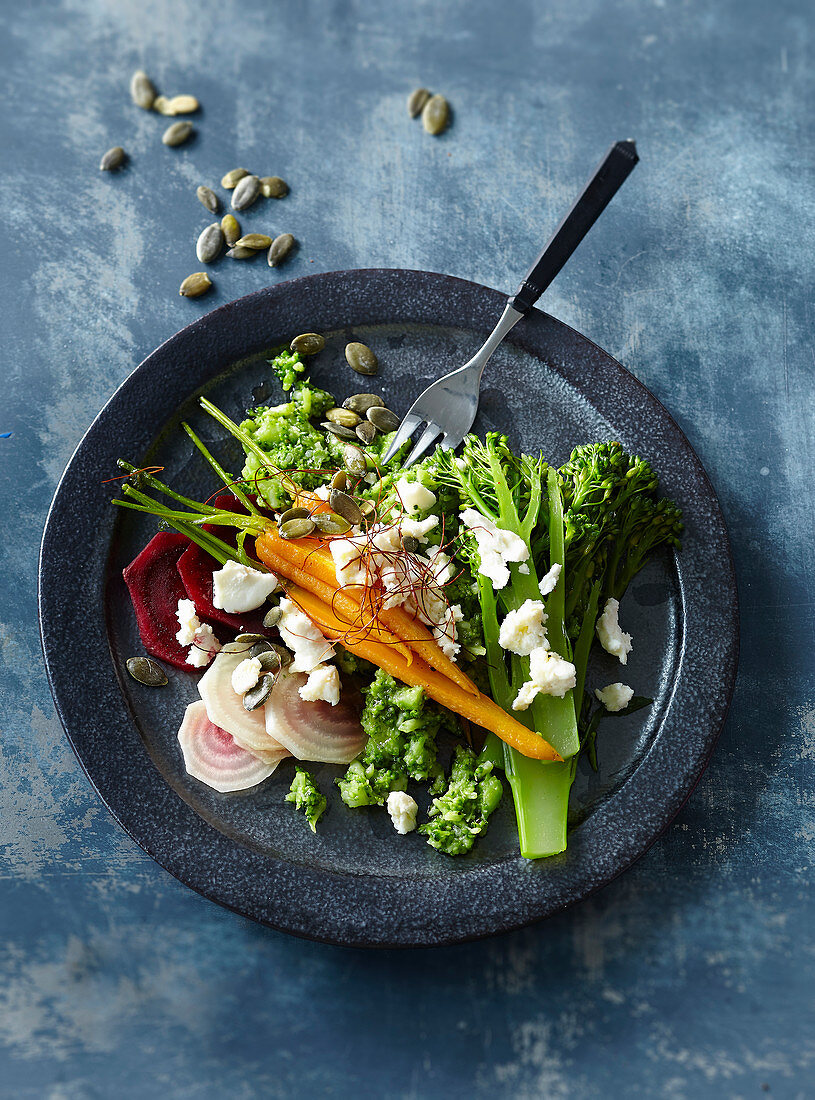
{"x": 280, "y": 248}
{"x": 270, "y": 659}
{"x": 308, "y": 343}
{"x": 195, "y": 285}
{"x": 208, "y": 198}
{"x": 345, "y": 417}
{"x": 255, "y": 697}
{"x": 236, "y": 253}
{"x": 146, "y": 671}
{"x": 272, "y": 617}
{"x": 263, "y": 646}
{"x": 233, "y": 178}
{"x": 273, "y": 187}
{"x": 410, "y": 544}
{"x": 417, "y": 100}
{"x": 354, "y": 460}
{"x": 383, "y": 419}
{"x": 255, "y": 241}
{"x": 114, "y": 158}
{"x": 368, "y": 508}
{"x": 231, "y": 228}
{"x": 181, "y": 105}
{"x": 296, "y": 528}
{"x": 210, "y": 243}
{"x": 293, "y": 513}
{"x": 249, "y": 639}
{"x": 160, "y": 104}
{"x": 235, "y": 647}
{"x": 142, "y": 90}
{"x": 366, "y": 432}
{"x": 339, "y": 480}
{"x": 330, "y": 523}
{"x": 246, "y": 191}
{"x": 360, "y": 358}
{"x": 345, "y": 506}
{"x": 177, "y": 134}
{"x": 361, "y": 402}
{"x": 338, "y": 430}
{"x": 436, "y": 115}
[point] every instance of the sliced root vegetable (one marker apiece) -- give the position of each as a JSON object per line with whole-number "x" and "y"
{"x": 212, "y": 756}
{"x": 225, "y": 707}
{"x": 155, "y": 588}
{"x": 313, "y": 731}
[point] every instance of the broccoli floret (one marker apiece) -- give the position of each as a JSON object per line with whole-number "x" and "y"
{"x": 288, "y": 366}
{"x": 306, "y": 797}
{"x": 462, "y": 812}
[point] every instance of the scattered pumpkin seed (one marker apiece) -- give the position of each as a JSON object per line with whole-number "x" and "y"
{"x": 231, "y": 228}
{"x": 296, "y": 528}
{"x": 345, "y": 506}
{"x": 160, "y": 104}
{"x": 346, "y": 417}
{"x": 285, "y": 655}
{"x": 142, "y": 90}
{"x": 366, "y": 432}
{"x": 209, "y": 199}
{"x": 361, "y": 402}
{"x": 272, "y": 617}
{"x": 338, "y": 430}
{"x": 256, "y": 696}
{"x": 181, "y": 105}
{"x": 250, "y": 638}
{"x": 195, "y": 285}
{"x": 383, "y": 419}
{"x": 354, "y": 460}
{"x": 308, "y": 343}
{"x": 339, "y": 480}
{"x": 235, "y": 647}
{"x": 178, "y": 133}
{"x": 436, "y": 115}
{"x": 270, "y": 659}
{"x": 410, "y": 544}
{"x": 417, "y": 100}
{"x": 368, "y": 508}
{"x": 263, "y": 646}
{"x": 146, "y": 671}
{"x": 360, "y": 358}
{"x": 246, "y": 191}
{"x": 210, "y": 243}
{"x": 330, "y": 523}
{"x": 233, "y": 178}
{"x": 114, "y": 158}
{"x": 280, "y": 248}
{"x": 236, "y": 253}
{"x": 293, "y": 513}
{"x": 255, "y": 241}
{"x": 273, "y": 187}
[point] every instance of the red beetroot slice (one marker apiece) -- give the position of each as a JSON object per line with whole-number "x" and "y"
{"x": 155, "y": 589}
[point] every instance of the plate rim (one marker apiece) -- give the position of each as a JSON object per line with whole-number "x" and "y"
{"x": 398, "y": 935}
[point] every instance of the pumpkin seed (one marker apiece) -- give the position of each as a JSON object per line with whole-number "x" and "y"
{"x": 114, "y": 158}
{"x": 269, "y": 659}
{"x": 294, "y": 513}
{"x": 160, "y": 104}
{"x": 280, "y": 248}
{"x": 210, "y": 243}
{"x": 264, "y": 646}
{"x": 345, "y": 506}
{"x": 272, "y": 617}
{"x": 338, "y": 430}
{"x": 255, "y": 697}
{"x": 308, "y": 343}
{"x": 209, "y": 199}
{"x": 361, "y": 402}
{"x": 285, "y": 655}
{"x": 231, "y": 228}
{"x": 360, "y": 358}
{"x": 354, "y": 460}
{"x": 255, "y": 241}
{"x": 146, "y": 671}
{"x": 339, "y": 480}
{"x": 345, "y": 417}
{"x": 195, "y": 285}
{"x": 241, "y": 253}
{"x": 436, "y": 115}
{"x": 417, "y": 100}
{"x": 332, "y": 524}
{"x": 181, "y": 105}
{"x": 368, "y": 508}
{"x": 250, "y": 639}
{"x": 383, "y": 419}
{"x": 177, "y": 134}
{"x": 366, "y": 432}
{"x": 410, "y": 544}
{"x": 235, "y": 647}
{"x": 233, "y": 178}
{"x": 246, "y": 191}
{"x": 273, "y": 187}
{"x": 142, "y": 90}
{"x": 296, "y": 528}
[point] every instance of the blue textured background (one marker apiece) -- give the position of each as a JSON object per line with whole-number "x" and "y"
{"x": 693, "y": 975}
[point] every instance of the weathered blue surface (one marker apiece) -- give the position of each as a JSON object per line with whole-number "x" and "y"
{"x": 693, "y": 975}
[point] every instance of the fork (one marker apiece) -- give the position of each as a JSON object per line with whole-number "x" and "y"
{"x": 449, "y": 405}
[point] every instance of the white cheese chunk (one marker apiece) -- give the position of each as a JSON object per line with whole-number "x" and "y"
{"x": 188, "y": 622}
{"x": 417, "y": 528}
{"x": 496, "y": 547}
{"x": 549, "y": 582}
{"x": 204, "y": 646}
{"x": 612, "y": 638}
{"x": 246, "y": 675}
{"x": 615, "y": 697}
{"x": 445, "y": 631}
{"x": 303, "y": 638}
{"x": 414, "y": 496}
{"x": 323, "y": 492}
{"x": 549, "y": 675}
{"x": 349, "y": 565}
{"x": 524, "y": 629}
{"x": 236, "y": 588}
{"x": 403, "y": 810}
{"x": 323, "y": 683}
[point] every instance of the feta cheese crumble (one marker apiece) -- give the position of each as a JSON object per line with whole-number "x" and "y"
{"x": 496, "y": 547}
{"x": 549, "y": 675}
{"x": 302, "y": 637}
{"x": 246, "y": 675}
{"x": 615, "y": 697}
{"x": 612, "y": 638}
{"x": 237, "y": 588}
{"x": 199, "y": 636}
{"x": 323, "y": 683}
{"x": 524, "y": 629}
{"x": 188, "y": 622}
{"x": 414, "y": 496}
{"x": 403, "y": 810}
{"x": 549, "y": 582}
{"x": 417, "y": 528}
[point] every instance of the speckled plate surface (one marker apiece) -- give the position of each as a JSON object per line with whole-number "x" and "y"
{"x": 357, "y": 882}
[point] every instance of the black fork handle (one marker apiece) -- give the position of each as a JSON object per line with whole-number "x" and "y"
{"x": 610, "y": 175}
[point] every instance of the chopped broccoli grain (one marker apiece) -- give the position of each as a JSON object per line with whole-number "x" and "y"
{"x": 305, "y": 796}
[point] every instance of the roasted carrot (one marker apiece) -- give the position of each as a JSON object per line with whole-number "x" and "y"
{"x": 479, "y": 709}
{"x": 315, "y": 558}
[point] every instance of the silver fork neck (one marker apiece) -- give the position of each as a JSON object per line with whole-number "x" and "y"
{"x": 509, "y": 318}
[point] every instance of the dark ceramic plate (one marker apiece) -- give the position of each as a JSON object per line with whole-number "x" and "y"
{"x": 358, "y": 882}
